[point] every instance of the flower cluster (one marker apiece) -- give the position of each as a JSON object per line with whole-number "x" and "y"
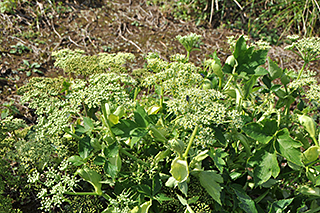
{"x": 199, "y": 108}
{"x": 123, "y": 203}
{"x": 308, "y": 48}
{"x": 178, "y": 58}
{"x": 174, "y": 77}
{"x": 10, "y": 124}
{"x": 103, "y": 87}
{"x": 77, "y": 62}
{"x": 298, "y": 83}
{"x": 54, "y": 183}
{"x": 314, "y": 93}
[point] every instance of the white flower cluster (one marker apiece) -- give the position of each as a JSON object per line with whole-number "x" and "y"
{"x": 261, "y": 44}
{"x": 308, "y": 46}
{"x": 314, "y": 93}
{"x": 77, "y": 62}
{"x": 178, "y": 58}
{"x": 201, "y": 108}
{"x": 55, "y": 184}
{"x": 298, "y": 83}
{"x": 105, "y": 87}
{"x": 174, "y": 77}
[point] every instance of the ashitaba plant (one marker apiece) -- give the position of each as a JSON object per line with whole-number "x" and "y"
{"x": 233, "y": 136}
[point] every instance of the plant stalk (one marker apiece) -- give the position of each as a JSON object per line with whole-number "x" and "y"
{"x": 190, "y": 142}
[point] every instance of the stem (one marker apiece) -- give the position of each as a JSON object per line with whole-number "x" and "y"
{"x": 188, "y": 55}
{"x": 300, "y": 73}
{"x": 80, "y": 193}
{"x": 190, "y": 142}
{"x": 220, "y": 84}
{"x": 227, "y": 85}
{"x": 133, "y": 157}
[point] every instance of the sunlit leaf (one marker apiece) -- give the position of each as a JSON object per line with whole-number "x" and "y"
{"x": 210, "y": 181}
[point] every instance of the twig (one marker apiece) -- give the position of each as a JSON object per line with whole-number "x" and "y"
{"x": 54, "y": 29}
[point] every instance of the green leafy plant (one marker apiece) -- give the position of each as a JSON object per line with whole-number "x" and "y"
{"x": 30, "y": 68}
{"x": 238, "y": 136}
{"x": 19, "y": 49}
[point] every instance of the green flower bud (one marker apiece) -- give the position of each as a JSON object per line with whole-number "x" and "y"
{"x": 177, "y": 146}
{"x": 311, "y": 154}
{"x": 231, "y": 60}
{"x": 216, "y": 68}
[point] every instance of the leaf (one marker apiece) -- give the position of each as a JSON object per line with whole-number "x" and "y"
{"x": 114, "y": 119}
{"x": 265, "y": 164}
{"x": 88, "y": 124}
{"x": 279, "y": 206}
{"x": 248, "y": 85}
{"x": 309, "y": 191}
{"x": 145, "y": 189}
{"x": 162, "y": 197}
{"x": 110, "y": 169}
{"x": 179, "y": 170}
{"x": 200, "y": 157}
{"x": 76, "y": 160}
{"x": 144, "y": 208}
{"x": 99, "y": 160}
{"x": 274, "y": 70}
{"x": 124, "y": 128}
{"x": 261, "y": 133}
{"x": 141, "y": 117}
{"x": 210, "y": 181}
{"x": 85, "y": 147}
{"x": 219, "y": 136}
{"x": 288, "y": 148}
{"x": 246, "y": 203}
{"x": 183, "y": 187}
{"x": 217, "y": 157}
{"x": 156, "y": 185}
{"x": 92, "y": 177}
{"x": 260, "y": 71}
{"x": 111, "y": 151}
{"x": 171, "y": 182}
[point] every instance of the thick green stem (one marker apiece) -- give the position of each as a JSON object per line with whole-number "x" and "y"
{"x": 133, "y": 157}
{"x": 190, "y": 142}
{"x": 300, "y": 73}
{"x": 220, "y": 83}
{"x": 80, "y": 193}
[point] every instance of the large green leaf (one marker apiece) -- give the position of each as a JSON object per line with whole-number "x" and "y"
{"x": 261, "y": 132}
{"x": 217, "y": 156}
{"x": 92, "y": 177}
{"x": 85, "y": 147}
{"x": 279, "y": 206}
{"x": 274, "y": 70}
{"x": 246, "y": 203}
{"x": 210, "y": 181}
{"x": 288, "y": 148}
{"x": 88, "y": 124}
{"x": 248, "y": 58}
{"x": 141, "y": 116}
{"x": 248, "y": 86}
{"x": 265, "y": 164}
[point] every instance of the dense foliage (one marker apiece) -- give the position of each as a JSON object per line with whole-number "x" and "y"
{"x": 238, "y": 136}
